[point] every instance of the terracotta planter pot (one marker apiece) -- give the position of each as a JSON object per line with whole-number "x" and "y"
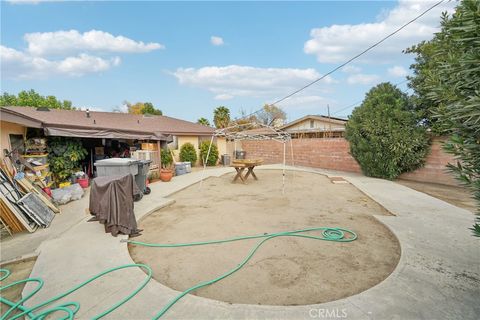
{"x": 83, "y": 183}
{"x": 166, "y": 175}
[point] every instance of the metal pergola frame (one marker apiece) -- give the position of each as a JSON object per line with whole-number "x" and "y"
{"x": 245, "y": 132}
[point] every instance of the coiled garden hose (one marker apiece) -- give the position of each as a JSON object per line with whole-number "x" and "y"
{"x": 71, "y": 308}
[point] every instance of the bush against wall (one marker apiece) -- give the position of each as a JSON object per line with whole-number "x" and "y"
{"x": 384, "y": 134}
{"x": 64, "y": 156}
{"x": 213, "y": 156}
{"x": 446, "y": 81}
{"x": 188, "y": 153}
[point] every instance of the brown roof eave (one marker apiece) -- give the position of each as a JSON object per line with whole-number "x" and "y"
{"x": 29, "y": 121}
{"x": 59, "y": 125}
{"x": 191, "y": 133}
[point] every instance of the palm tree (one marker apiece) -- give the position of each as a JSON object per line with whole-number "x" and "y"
{"x": 203, "y": 121}
{"x": 221, "y": 117}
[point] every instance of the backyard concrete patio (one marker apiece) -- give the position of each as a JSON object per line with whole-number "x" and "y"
{"x": 437, "y": 277}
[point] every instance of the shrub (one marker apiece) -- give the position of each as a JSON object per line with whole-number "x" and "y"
{"x": 447, "y": 81}
{"x": 64, "y": 156}
{"x": 213, "y": 156}
{"x": 188, "y": 153}
{"x": 166, "y": 158}
{"x": 385, "y": 135}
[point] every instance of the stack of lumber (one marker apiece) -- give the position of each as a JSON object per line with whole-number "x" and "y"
{"x": 12, "y": 215}
{"x": 27, "y": 186}
{"x": 7, "y": 214}
{"x": 24, "y": 205}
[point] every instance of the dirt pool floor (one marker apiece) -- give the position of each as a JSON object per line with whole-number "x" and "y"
{"x": 18, "y": 271}
{"x": 285, "y": 271}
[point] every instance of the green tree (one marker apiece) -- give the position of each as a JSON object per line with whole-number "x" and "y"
{"x": 221, "y": 117}
{"x": 143, "y": 108}
{"x": 148, "y": 108}
{"x": 212, "y": 157}
{"x": 384, "y": 134}
{"x": 188, "y": 153}
{"x": 271, "y": 115}
{"x": 203, "y": 121}
{"x": 447, "y": 78}
{"x": 33, "y": 99}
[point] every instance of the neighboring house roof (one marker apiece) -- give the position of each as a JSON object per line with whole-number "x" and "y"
{"x": 102, "y": 124}
{"x": 332, "y": 120}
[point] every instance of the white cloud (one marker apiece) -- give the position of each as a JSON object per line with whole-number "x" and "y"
{"x": 360, "y": 78}
{"x": 338, "y": 43}
{"x": 21, "y": 65}
{"x": 223, "y": 96}
{"x": 216, "y": 41}
{"x": 68, "y": 53}
{"x": 240, "y": 81}
{"x": 397, "y": 71}
{"x": 72, "y": 41}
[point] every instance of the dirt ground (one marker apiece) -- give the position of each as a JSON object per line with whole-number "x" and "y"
{"x": 457, "y": 196}
{"x": 19, "y": 270}
{"x": 285, "y": 271}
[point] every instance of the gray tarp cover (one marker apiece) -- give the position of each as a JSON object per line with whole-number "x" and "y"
{"x": 111, "y": 202}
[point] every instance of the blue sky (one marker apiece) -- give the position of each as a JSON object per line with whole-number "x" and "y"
{"x": 189, "y": 57}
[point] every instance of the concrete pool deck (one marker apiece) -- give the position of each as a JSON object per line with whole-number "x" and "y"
{"x": 438, "y": 275}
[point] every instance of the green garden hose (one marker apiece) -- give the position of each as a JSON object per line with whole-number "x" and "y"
{"x": 71, "y": 308}
{"x": 64, "y": 307}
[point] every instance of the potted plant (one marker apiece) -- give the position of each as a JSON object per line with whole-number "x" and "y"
{"x": 166, "y": 173}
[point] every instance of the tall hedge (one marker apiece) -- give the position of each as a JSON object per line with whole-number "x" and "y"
{"x": 385, "y": 135}
{"x": 212, "y": 157}
{"x": 188, "y": 153}
{"x": 446, "y": 81}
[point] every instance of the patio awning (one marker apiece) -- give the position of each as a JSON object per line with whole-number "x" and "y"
{"x": 102, "y": 133}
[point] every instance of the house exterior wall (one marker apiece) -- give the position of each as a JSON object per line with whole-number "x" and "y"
{"x": 222, "y": 146}
{"x": 317, "y": 124}
{"x": 194, "y": 140}
{"x": 186, "y": 139}
{"x": 7, "y": 128}
{"x": 334, "y": 154}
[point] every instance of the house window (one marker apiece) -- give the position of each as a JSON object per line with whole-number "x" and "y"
{"x": 17, "y": 143}
{"x": 174, "y": 144}
{"x": 312, "y": 123}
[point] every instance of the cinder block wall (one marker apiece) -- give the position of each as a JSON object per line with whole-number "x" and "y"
{"x": 317, "y": 153}
{"x": 334, "y": 154}
{"x": 435, "y": 170}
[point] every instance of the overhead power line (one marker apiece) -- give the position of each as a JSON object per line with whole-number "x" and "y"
{"x": 351, "y": 59}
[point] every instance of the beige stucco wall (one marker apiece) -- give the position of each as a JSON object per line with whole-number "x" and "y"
{"x": 7, "y": 128}
{"x": 222, "y": 146}
{"x": 181, "y": 140}
{"x": 317, "y": 124}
